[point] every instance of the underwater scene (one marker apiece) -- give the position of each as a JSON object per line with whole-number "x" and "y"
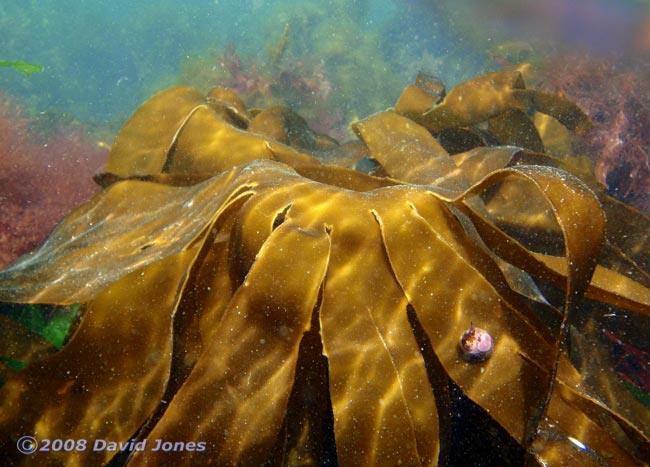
{"x": 325, "y": 233}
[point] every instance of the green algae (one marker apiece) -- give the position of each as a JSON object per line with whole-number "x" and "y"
{"x": 24, "y": 67}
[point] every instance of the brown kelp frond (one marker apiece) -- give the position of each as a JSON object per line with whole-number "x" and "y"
{"x": 231, "y": 273}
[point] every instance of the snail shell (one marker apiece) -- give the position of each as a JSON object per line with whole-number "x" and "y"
{"x": 476, "y": 344}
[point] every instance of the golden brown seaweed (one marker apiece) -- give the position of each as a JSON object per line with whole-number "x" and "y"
{"x": 230, "y": 281}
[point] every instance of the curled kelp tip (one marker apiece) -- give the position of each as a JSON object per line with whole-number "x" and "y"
{"x": 289, "y": 309}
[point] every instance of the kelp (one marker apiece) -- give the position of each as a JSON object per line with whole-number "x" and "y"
{"x": 248, "y": 303}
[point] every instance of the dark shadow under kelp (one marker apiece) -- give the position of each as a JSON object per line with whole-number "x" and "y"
{"x": 252, "y": 298}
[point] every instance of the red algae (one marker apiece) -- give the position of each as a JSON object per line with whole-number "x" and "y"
{"x": 242, "y": 76}
{"x": 41, "y": 178}
{"x": 616, "y": 95}
{"x": 299, "y": 83}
